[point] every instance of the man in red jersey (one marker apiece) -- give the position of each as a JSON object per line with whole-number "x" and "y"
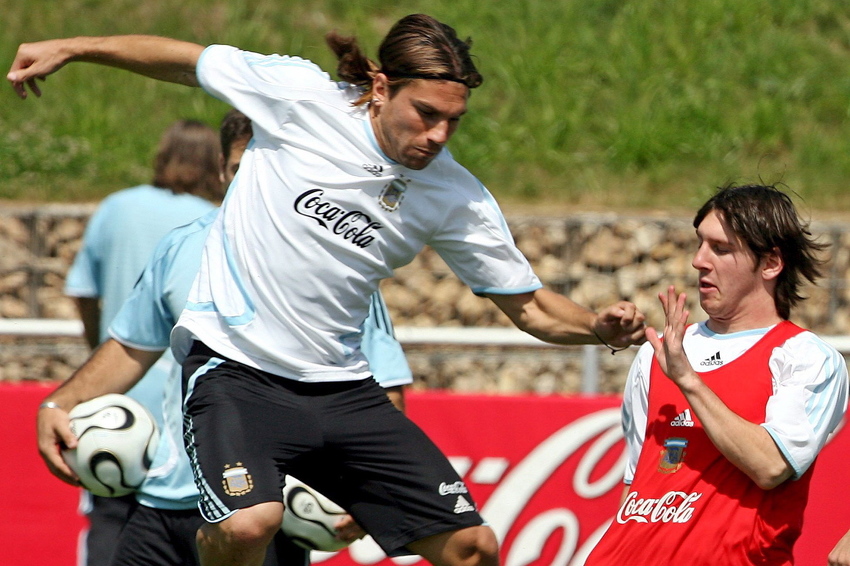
{"x": 724, "y": 419}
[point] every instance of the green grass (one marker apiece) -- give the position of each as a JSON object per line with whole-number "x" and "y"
{"x": 597, "y": 103}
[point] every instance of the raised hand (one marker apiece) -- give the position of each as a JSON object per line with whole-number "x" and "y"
{"x": 669, "y": 351}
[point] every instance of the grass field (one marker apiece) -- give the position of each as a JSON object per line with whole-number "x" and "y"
{"x": 602, "y": 103}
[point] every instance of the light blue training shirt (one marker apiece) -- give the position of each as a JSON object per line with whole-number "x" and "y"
{"x": 118, "y": 242}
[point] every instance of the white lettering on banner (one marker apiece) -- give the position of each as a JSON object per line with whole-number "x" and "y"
{"x": 600, "y": 431}
{"x": 514, "y": 492}
{"x": 517, "y": 489}
{"x": 665, "y": 509}
{"x": 530, "y": 541}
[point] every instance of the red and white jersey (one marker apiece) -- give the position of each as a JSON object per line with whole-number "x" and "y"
{"x": 687, "y": 502}
{"x": 317, "y": 216}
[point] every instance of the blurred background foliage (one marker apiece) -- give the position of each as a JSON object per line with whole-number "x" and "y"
{"x": 592, "y": 104}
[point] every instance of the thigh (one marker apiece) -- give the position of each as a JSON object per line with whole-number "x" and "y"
{"x": 159, "y": 537}
{"x": 387, "y": 473}
{"x": 241, "y": 427}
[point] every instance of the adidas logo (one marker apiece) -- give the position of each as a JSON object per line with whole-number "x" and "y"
{"x": 463, "y": 505}
{"x": 683, "y": 419}
{"x": 376, "y": 170}
{"x": 712, "y": 361}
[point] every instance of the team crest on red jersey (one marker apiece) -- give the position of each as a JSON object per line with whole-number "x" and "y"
{"x": 393, "y": 194}
{"x": 672, "y": 456}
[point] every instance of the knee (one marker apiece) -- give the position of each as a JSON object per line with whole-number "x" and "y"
{"x": 472, "y": 546}
{"x": 247, "y": 528}
{"x": 477, "y": 546}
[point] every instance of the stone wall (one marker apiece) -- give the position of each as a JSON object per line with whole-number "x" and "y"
{"x": 596, "y": 259}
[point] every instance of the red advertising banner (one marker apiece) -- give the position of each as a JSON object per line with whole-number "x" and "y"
{"x": 546, "y": 474}
{"x": 544, "y": 471}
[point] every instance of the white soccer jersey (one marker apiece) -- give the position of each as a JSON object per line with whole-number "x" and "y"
{"x": 809, "y": 390}
{"x": 317, "y": 217}
{"x": 145, "y": 322}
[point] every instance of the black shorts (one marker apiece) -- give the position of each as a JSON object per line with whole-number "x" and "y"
{"x": 157, "y": 537}
{"x": 246, "y": 429}
{"x": 107, "y": 518}
{"x": 165, "y": 537}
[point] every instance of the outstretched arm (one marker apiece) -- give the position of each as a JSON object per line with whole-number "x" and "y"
{"x": 555, "y": 318}
{"x": 112, "y": 368}
{"x": 160, "y": 58}
{"x": 747, "y": 445}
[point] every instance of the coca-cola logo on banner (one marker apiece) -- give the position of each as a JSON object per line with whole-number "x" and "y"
{"x": 547, "y": 480}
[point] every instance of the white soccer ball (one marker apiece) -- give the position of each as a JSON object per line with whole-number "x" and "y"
{"x": 309, "y": 517}
{"x": 117, "y": 439}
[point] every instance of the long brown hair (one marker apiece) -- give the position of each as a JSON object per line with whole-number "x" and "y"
{"x": 417, "y": 47}
{"x": 187, "y": 160}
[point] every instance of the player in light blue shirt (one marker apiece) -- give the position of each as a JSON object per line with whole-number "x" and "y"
{"x": 119, "y": 239}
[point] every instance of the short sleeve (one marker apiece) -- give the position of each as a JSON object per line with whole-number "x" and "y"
{"x": 635, "y": 408}
{"x": 809, "y": 399}
{"x": 84, "y": 276}
{"x": 475, "y": 242}
{"x": 263, "y": 87}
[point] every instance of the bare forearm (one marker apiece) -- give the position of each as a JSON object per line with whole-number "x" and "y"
{"x": 156, "y": 57}
{"x": 550, "y": 317}
{"x": 747, "y": 445}
{"x": 112, "y": 368}
{"x": 160, "y": 58}
{"x": 555, "y": 318}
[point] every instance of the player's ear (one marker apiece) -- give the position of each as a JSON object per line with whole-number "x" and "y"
{"x": 772, "y": 264}
{"x": 380, "y": 88}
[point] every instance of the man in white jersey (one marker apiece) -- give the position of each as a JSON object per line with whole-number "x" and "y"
{"x": 724, "y": 419}
{"x": 343, "y": 183}
{"x": 161, "y": 531}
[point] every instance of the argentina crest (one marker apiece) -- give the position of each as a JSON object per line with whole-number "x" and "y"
{"x": 393, "y": 193}
{"x": 236, "y": 480}
{"x": 673, "y": 455}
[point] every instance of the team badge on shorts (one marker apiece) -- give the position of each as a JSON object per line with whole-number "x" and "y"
{"x": 393, "y": 194}
{"x": 236, "y": 480}
{"x": 672, "y": 456}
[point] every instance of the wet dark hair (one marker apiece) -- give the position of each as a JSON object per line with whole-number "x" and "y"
{"x": 765, "y": 218}
{"x": 234, "y": 126}
{"x": 417, "y": 47}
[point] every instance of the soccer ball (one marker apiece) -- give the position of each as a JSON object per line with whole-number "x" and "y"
{"x": 309, "y": 517}
{"x": 117, "y": 439}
